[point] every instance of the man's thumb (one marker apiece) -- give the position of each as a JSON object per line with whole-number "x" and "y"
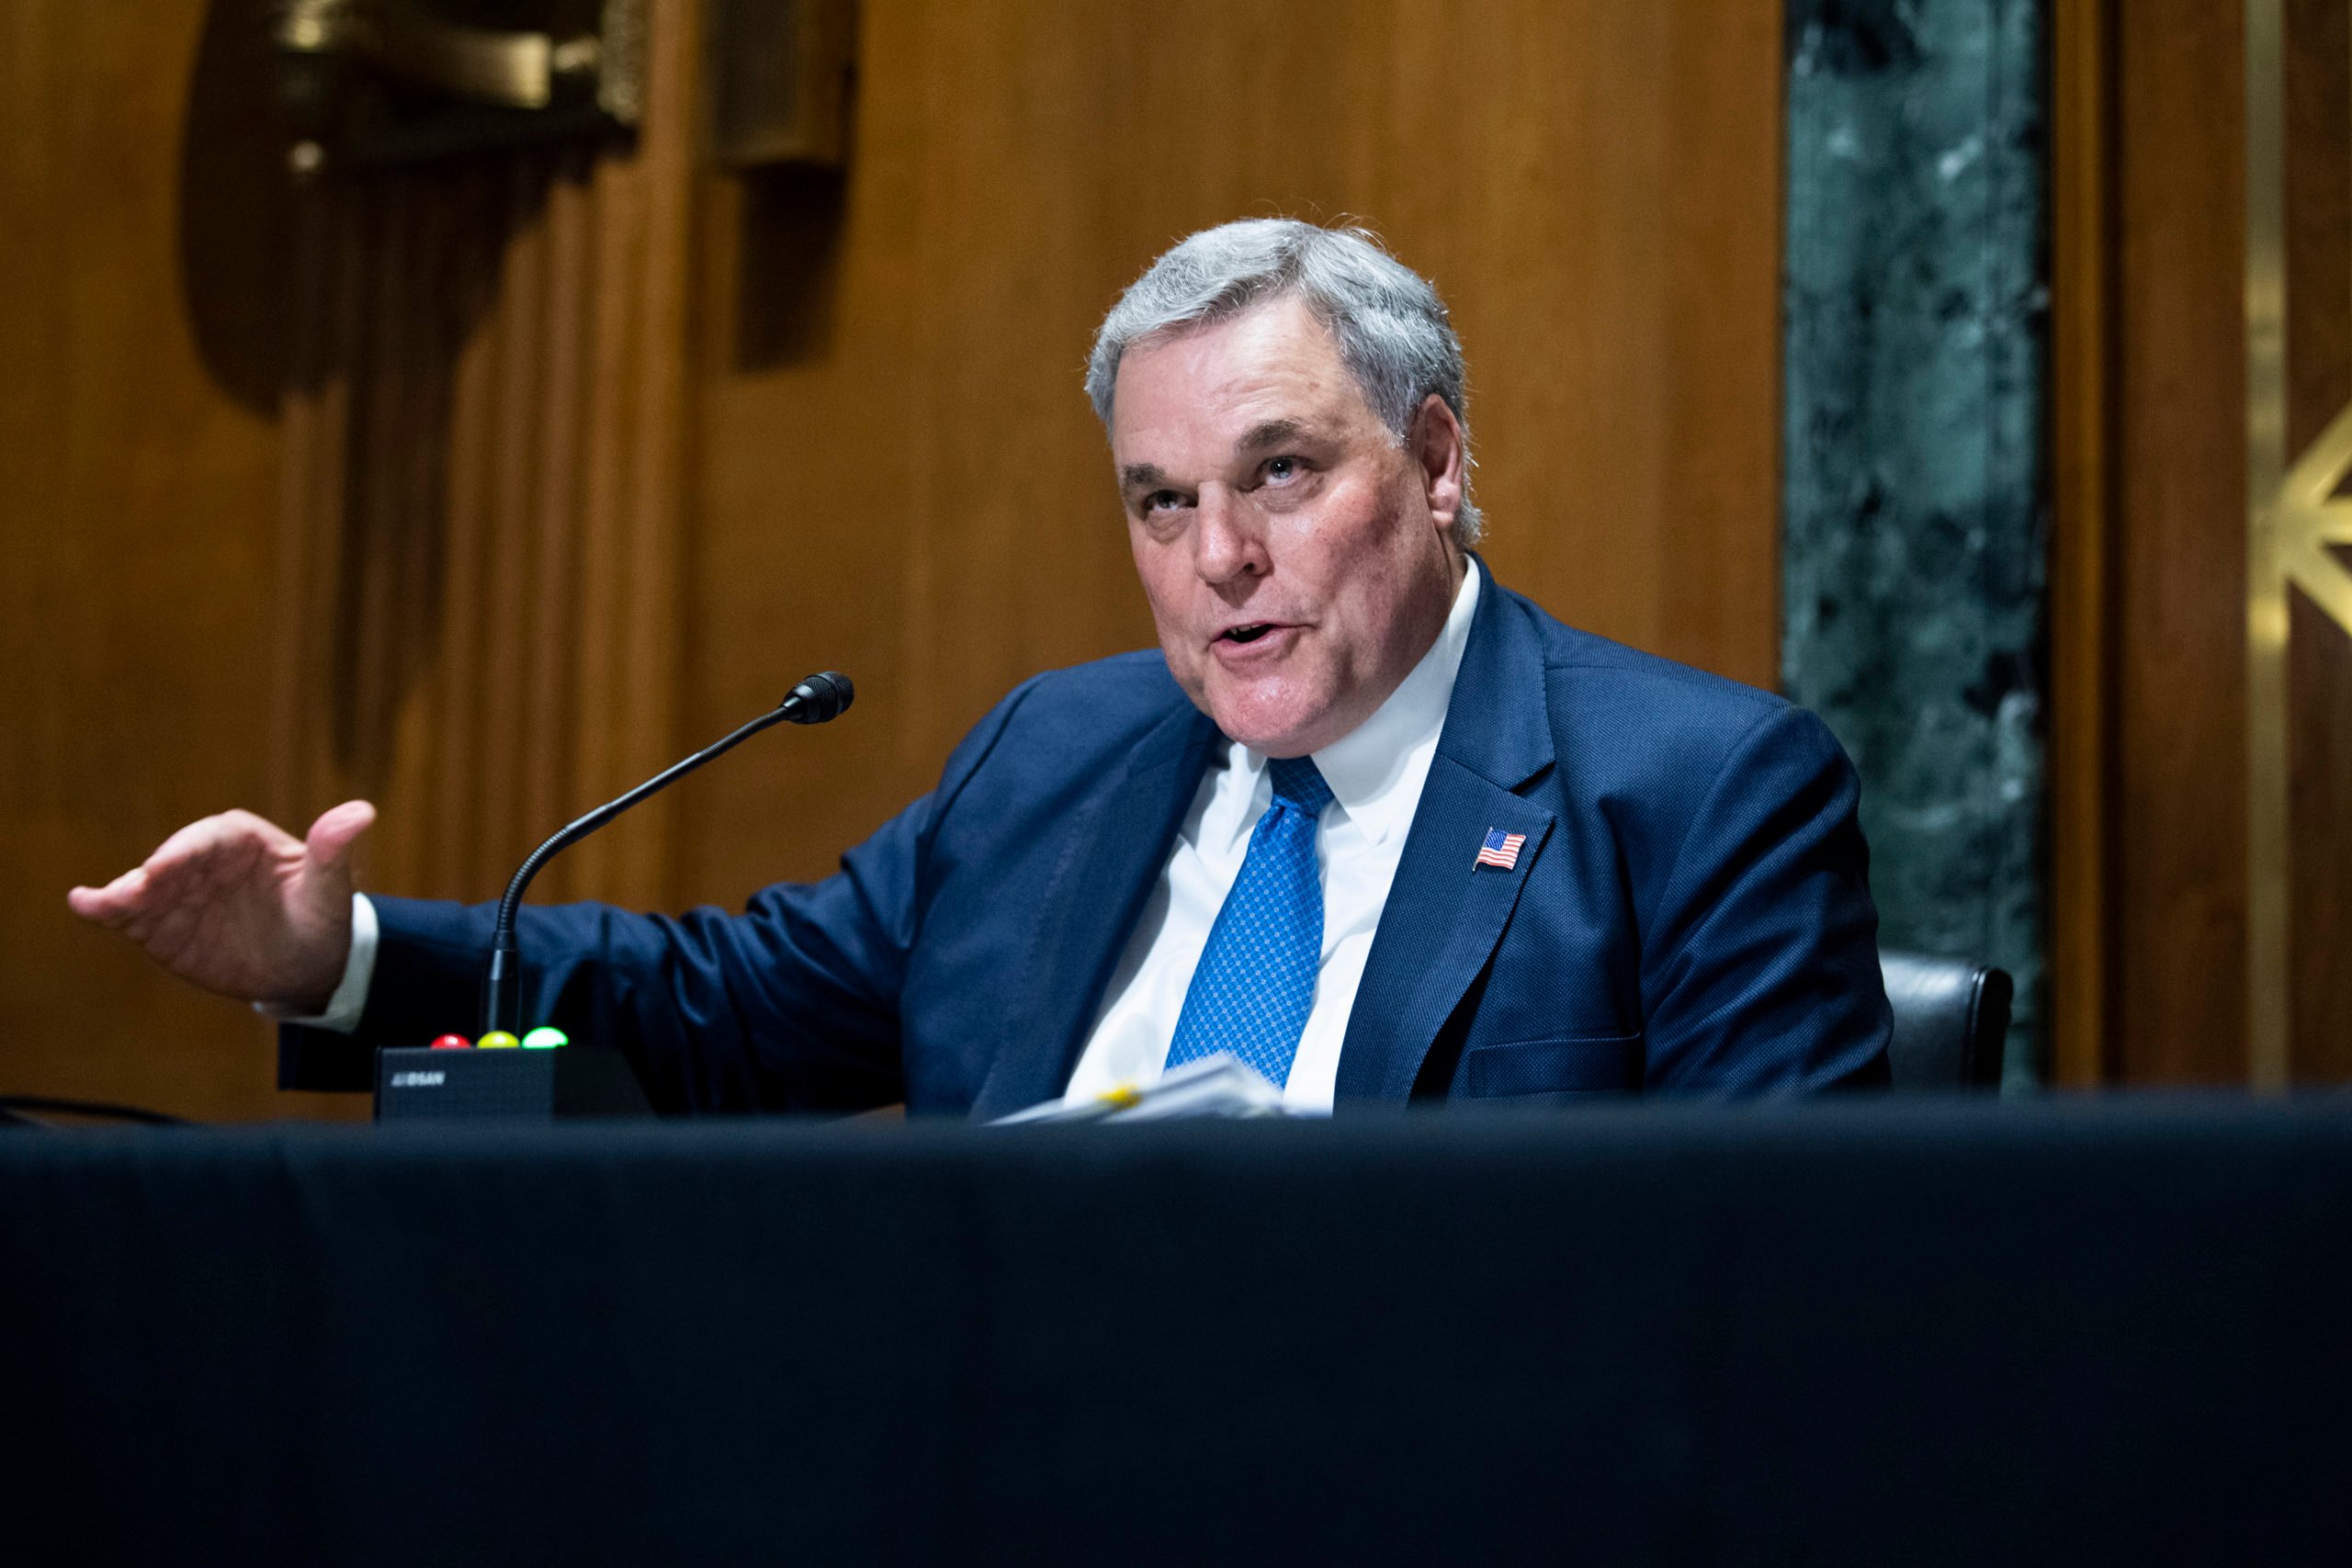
{"x": 331, "y": 837}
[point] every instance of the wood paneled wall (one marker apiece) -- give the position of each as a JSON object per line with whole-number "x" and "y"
{"x": 2151, "y": 612}
{"x": 481, "y": 523}
{"x": 139, "y": 471}
{"x": 899, "y": 474}
{"x": 237, "y": 561}
{"x": 2317, "y": 197}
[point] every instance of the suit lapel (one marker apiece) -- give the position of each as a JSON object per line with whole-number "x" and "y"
{"x": 1110, "y": 861}
{"x": 1446, "y": 912}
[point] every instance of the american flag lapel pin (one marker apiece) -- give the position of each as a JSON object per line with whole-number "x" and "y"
{"x": 1500, "y": 849}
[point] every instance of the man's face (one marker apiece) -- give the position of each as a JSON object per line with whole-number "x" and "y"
{"x": 1298, "y": 560}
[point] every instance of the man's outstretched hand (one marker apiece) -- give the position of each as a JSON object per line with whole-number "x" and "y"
{"x": 241, "y": 906}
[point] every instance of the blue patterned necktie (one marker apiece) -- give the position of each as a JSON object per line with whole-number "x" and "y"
{"x": 1256, "y": 981}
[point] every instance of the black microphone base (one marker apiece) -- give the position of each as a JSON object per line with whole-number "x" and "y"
{"x": 417, "y": 1084}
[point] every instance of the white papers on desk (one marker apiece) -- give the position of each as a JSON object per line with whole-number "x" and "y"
{"x": 1214, "y": 1085}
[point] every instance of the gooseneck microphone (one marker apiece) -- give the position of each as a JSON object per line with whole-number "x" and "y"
{"x": 817, "y": 700}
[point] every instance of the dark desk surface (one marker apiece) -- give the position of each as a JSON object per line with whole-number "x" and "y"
{"x": 1871, "y": 1332}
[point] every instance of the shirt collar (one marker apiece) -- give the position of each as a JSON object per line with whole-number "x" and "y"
{"x": 1375, "y": 770}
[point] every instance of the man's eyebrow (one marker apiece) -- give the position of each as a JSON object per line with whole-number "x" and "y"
{"x": 1272, "y": 432}
{"x": 1257, "y": 438}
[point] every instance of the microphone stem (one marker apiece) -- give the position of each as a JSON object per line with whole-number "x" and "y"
{"x": 502, "y": 1002}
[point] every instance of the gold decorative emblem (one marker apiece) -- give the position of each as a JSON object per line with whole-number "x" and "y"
{"x": 2294, "y": 516}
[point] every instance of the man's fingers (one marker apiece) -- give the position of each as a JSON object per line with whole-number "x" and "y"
{"x": 112, "y": 904}
{"x": 191, "y": 845}
{"x": 182, "y": 862}
{"x": 337, "y": 828}
{"x": 192, "y": 862}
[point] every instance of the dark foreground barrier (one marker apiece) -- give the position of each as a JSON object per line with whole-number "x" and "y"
{"x": 1865, "y": 1333}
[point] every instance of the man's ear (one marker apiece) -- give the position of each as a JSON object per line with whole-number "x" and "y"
{"x": 1434, "y": 439}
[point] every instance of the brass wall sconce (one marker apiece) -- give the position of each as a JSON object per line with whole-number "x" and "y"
{"x": 371, "y": 83}
{"x": 377, "y": 82}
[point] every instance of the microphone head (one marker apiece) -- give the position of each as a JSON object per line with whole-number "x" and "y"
{"x": 820, "y": 698}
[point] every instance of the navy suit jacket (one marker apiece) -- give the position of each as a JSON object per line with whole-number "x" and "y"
{"x": 1690, "y": 911}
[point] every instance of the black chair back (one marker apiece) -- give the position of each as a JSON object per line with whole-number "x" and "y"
{"x": 1951, "y": 1019}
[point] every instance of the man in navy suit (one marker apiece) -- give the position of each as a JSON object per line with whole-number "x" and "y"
{"x": 1366, "y": 819}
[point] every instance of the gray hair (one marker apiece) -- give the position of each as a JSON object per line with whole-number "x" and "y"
{"x": 1394, "y": 334}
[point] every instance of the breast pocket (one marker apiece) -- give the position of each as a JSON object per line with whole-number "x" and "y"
{"x": 1562, "y": 1066}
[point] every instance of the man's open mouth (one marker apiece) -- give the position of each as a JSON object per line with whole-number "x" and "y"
{"x": 1245, "y": 634}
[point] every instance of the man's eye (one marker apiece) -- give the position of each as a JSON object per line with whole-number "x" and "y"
{"x": 1161, "y": 500}
{"x": 1281, "y": 470}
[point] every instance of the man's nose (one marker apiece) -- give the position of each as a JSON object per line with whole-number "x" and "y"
{"x": 1229, "y": 539}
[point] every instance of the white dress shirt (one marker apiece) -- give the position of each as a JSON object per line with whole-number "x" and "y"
{"x": 1376, "y": 772}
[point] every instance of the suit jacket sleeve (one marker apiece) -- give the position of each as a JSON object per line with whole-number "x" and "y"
{"x": 792, "y": 1005}
{"x": 1760, "y": 966}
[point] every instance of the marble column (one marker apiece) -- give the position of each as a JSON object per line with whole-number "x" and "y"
{"x": 1913, "y": 562}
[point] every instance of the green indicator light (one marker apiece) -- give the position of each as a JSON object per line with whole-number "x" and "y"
{"x": 545, "y": 1038}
